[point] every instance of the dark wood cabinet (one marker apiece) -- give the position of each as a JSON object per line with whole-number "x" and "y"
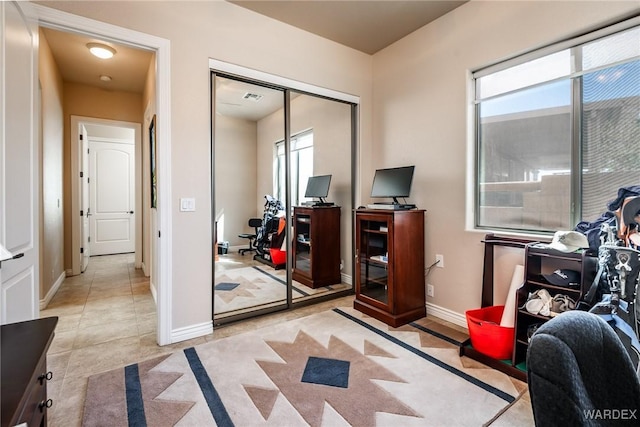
{"x": 316, "y": 245}
{"x": 24, "y": 371}
{"x": 540, "y": 263}
{"x": 389, "y": 268}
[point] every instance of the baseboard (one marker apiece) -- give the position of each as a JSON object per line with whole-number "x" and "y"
{"x": 189, "y": 332}
{"x": 144, "y": 269}
{"x": 69, "y": 272}
{"x": 346, "y": 279}
{"x": 47, "y": 298}
{"x": 446, "y": 314}
{"x": 154, "y": 293}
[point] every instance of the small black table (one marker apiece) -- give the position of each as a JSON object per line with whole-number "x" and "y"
{"x": 24, "y": 371}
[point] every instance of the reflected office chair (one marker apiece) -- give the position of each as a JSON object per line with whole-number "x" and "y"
{"x": 255, "y": 223}
{"x": 579, "y": 371}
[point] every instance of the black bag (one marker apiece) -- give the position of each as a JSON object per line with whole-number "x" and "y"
{"x": 615, "y": 288}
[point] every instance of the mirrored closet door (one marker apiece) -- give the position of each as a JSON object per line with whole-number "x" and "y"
{"x": 282, "y": 191}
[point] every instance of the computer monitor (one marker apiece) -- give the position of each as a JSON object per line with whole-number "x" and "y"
{"x": 392, "y": 182}
{"x": 318, "y": 187}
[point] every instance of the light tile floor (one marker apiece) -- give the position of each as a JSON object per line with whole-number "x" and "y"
{"x": 107, "y": 319}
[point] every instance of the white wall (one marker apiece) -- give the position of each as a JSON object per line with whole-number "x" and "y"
{"x": 216, "y": 29}
{"x": 421, "y": 115}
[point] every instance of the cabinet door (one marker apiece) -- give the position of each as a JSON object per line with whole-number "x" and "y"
{"x": 374, "y": 259}
{"x": 302, "y": 242}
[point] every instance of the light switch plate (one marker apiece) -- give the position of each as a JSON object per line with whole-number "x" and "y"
{"x": 187, "y": 204}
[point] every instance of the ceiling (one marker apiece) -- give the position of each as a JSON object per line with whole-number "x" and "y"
{"x": 364, "y": 25}
{"x": 128, "y": 68}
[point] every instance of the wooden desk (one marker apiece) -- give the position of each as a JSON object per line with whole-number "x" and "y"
{"x": 24, "y": 371}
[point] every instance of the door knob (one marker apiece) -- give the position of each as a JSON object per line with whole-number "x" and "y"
{"x": 130, "y": 212}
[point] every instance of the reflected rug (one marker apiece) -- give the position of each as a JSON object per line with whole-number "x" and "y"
{"x": 335, "y": 368}
{"x": 240, "y": 288}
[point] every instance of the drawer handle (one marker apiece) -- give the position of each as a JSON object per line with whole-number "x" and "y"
{"x": 48, "y": 376}
{"x": 45, "y": 404}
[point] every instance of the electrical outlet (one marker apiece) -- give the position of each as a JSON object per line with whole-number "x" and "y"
{"x": 430, "y": 291}
{"x": 440, "y": 260}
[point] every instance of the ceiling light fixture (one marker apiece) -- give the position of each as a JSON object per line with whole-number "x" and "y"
{"x": 105, "y": 78}
{"x": 101, "y": 50}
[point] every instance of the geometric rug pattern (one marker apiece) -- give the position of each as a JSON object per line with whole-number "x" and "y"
{"x": 247, "y": 287}
{"x": 335, "y": 368}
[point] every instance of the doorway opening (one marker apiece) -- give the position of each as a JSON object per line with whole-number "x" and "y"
{"x": 157, "y": 103}
{"x": 106, "y": 190}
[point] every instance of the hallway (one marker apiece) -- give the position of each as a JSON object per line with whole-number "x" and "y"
{"x": 107, "y": 318}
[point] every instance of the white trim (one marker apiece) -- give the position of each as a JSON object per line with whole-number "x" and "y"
{"x": 143, "y": 266}
{"x": 154, "y": 293}
{"x": 193, "y": 331}
{"x": 215, "y": 64}
{"x": 446, "y": 314}
{"x": 47, "y": 298}
{"x": 346, "y": 279}
{"x": 69, "y": 22}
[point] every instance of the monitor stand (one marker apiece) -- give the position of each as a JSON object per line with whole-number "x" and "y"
{"x": 396, "y": 205}
{"x": 322, "y": 202}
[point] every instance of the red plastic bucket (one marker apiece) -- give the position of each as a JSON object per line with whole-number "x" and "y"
{"x": 487, "y": 336}
{"x": 277, "y": 256}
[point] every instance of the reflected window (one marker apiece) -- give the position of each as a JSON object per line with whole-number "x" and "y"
{"x": 301, "y": 167}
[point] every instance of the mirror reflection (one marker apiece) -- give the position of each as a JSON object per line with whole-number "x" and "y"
{"x": 252, "y": 237}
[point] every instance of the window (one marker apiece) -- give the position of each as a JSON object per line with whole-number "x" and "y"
{"x": 557, "y": 134}
{"x": 301, "y": 167}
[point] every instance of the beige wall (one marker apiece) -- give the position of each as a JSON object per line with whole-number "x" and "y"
{"x": 149, "y": 106}
{"x": 51, "y": 224}
{"x": 220, "y": 30}
{"x": 82, "y": 100}
{"x": 421, "y": 115}
{"x": 418, "y": 92}
{"x": 236, "y": 158}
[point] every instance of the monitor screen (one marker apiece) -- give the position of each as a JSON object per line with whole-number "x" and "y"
{"x": 392, "y": 182}
{"x": 318, "y": 186}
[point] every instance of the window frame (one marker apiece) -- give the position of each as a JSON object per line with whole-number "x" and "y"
{"x": 574, "y": 45}
{"x": 295, "y": 186}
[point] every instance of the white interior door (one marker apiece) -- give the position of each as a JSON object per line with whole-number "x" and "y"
{"x": 112, "y": 197}
{"x": 84, "y": 197}
{"x": 19, "y": 203}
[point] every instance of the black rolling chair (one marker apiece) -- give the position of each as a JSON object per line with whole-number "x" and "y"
{"x": 580, "y": 374}
{"x": 255, "y": 223}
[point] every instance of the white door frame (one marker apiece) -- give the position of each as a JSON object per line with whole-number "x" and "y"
{"x": 76, "y": 161}
{"x": 68, "y": 22}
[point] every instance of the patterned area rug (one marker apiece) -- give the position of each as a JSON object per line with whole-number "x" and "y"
{"x": 246, "y": 287}
{"x": 336, "y": 368}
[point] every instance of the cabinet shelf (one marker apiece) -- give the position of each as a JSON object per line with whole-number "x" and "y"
{"x": 375, "y": 231}
{"x": 541, "y": 260}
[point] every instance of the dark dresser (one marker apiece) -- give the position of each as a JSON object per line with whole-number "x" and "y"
{"x": 24, "y": 371}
